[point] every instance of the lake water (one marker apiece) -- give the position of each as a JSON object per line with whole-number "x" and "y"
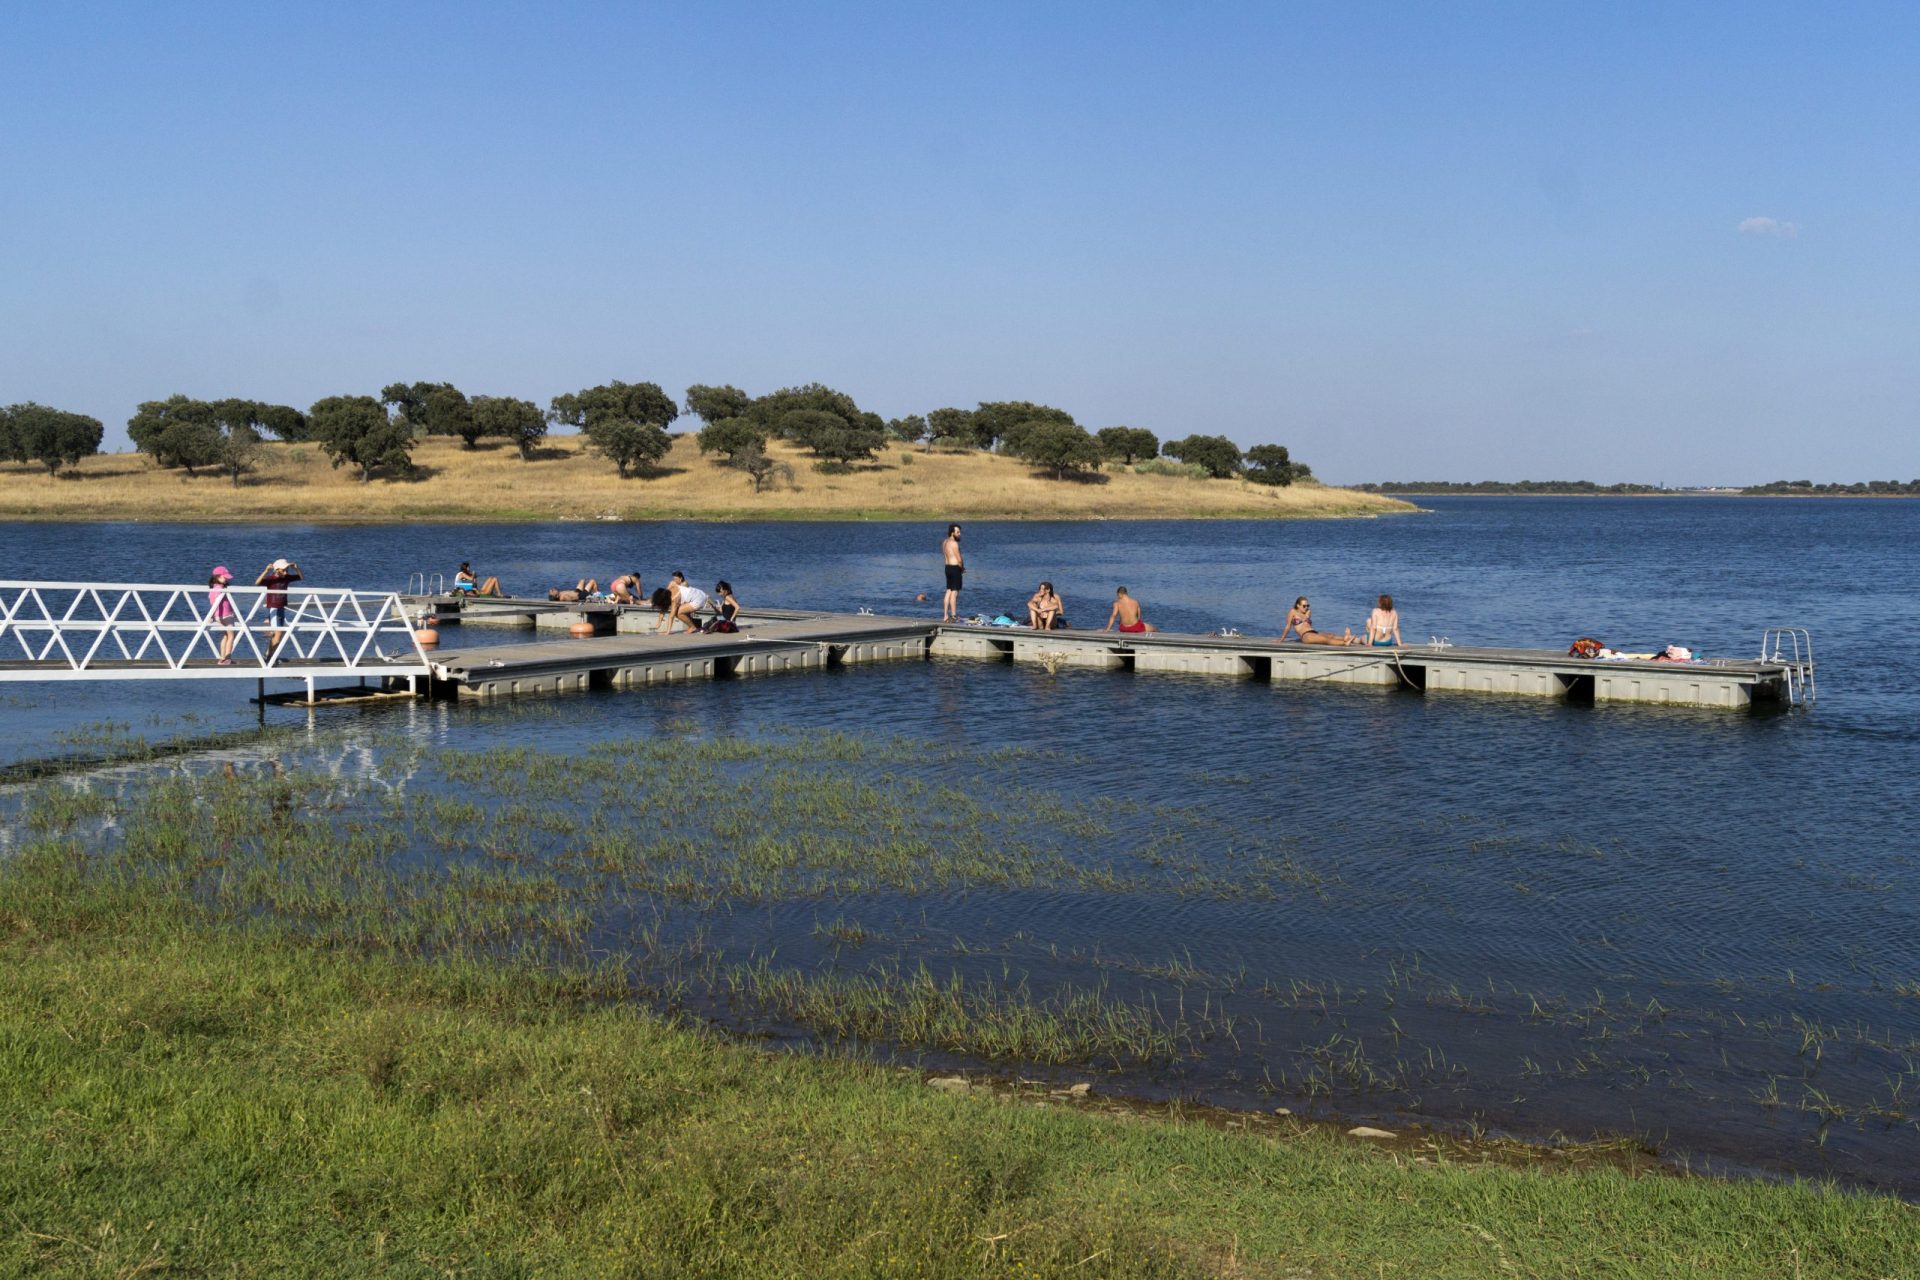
{"x": 1694, "y": 928}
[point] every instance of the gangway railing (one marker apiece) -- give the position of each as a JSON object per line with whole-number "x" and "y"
{"x": 147, "y": 631}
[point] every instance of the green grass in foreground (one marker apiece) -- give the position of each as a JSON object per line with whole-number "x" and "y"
{"x": 186, "y": 1098}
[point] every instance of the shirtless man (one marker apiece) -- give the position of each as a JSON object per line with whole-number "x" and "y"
{"x": 956, "y": 566}
{"x": 1126, "y": 612}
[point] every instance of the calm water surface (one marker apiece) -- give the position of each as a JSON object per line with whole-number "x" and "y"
{"x": 1697, "y": 928}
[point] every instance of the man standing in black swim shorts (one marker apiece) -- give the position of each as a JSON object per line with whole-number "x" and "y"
{"x": 956, "y": 565}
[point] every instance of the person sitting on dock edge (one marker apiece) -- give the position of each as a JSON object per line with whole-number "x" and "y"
{"x": 1383, "y": 624}
{"x": 1126, "y": 613}
{"x": 1301, "y": 616}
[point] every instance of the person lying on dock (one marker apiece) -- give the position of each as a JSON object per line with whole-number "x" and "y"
{"x": 1045, "y": 609}
{"x": 1126, "y": 613}
{"x": 464, "y": 583}
{"x": 685, "y": 600}
{"x": 625, "y": 589}
{"x": 1301, "y": 616}
{"x": 582, "y": 592}
{"x": 726, "y": 619}
{"x": 1383, "y": 624}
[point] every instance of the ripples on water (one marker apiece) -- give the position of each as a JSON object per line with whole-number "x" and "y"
{"x": 1602, "y": 919}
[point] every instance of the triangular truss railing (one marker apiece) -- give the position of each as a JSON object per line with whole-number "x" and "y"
{"x": 66, "y": 630}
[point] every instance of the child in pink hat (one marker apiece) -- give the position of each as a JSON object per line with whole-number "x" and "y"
{"x": 220, "y": 609}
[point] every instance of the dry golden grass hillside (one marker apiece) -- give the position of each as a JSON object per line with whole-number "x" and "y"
{"x": 568, "y": 481}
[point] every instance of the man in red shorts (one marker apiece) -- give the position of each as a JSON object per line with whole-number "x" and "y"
{"x": 1126, "y": 612}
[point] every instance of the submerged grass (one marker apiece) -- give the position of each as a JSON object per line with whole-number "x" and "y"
{"x": 601, "y": 871}
{"x": 183, "y": 1095}
{"x": 978, "y": 1017}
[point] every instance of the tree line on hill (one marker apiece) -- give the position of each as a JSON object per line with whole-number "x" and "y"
{"x": 627, "y": 424}
{"x": 1886, "y": 488}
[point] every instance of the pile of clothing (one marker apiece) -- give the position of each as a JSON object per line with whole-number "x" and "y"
{"x": 1588, "y": 647}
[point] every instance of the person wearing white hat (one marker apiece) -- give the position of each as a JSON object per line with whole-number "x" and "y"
{"x": 275, "y": 578}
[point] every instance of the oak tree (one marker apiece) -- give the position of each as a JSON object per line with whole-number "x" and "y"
{"x": 1269, "y": 464}
{"x": 53, "y": 437}
{"x": 507, "y": 418}
{"x": 729, "y": 437}
{"x": 1048, "y": 442}
{"x": 177, "y": 432}
{"x": 626, "y": 422}
{"x": 716, "y": 404}
{"x": 994, "y": 418}
{"x": 1219, "y": 455}
{"x": 357, "y": 430}
{"x": 950, "y": 427}
{"x": 1126, "y": 444}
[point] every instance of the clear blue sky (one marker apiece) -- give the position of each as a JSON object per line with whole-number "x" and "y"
{"x": 1407, "y": 240}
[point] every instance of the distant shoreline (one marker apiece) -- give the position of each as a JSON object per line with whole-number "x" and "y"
{"x": 1402, "y": 492}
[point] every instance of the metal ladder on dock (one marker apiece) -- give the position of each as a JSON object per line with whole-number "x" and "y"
{"x": 1792, "y": 648}
{"x": 425, "y": 584}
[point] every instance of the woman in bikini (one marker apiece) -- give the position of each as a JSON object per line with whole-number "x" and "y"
{"x": 1044, "y": 608}
{"x": 466, "y": 584}
{"x": 1301, "y": 617}
{"x": 1383, "y": 624}
{"x": 626, "y": 588}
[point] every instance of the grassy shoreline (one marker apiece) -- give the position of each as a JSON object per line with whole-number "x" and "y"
{"x": 567, "y": 482}
{"x": 209, "y": 1100}
{"x": 184, "y": 1089}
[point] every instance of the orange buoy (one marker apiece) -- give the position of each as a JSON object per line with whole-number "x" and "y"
{"x": 427, "y": 636}
{"x": 582, "y": 628}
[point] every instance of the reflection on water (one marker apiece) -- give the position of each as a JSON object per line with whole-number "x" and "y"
{"x": 1692, "y": 926}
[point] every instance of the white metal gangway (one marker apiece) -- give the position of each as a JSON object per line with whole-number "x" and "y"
{"x": 148, "y": 631}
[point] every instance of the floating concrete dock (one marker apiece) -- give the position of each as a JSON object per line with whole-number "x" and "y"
{"x": 773, "y": 642}
{"x": 766, "y": 646}
{"x": 1415, "y": 668}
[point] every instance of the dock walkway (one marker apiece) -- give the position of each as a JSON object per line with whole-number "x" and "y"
{"x": 772, "y": 642}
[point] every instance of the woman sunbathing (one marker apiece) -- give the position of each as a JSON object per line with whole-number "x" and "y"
{"x": 1301, "y": 616}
